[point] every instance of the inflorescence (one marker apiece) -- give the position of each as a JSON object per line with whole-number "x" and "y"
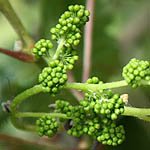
{"x": 53, "y": 77}
{"x": 48, "y": 126}
{"x": 69, "y": 25}
{"x": 97, "y": 114}
{"x": 136, "y": 71}
{"x": 42, "y": 48}
{"x": 67, "y": 33}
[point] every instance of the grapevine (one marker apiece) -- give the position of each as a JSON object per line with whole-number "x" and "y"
{"x": 97, "y": 114}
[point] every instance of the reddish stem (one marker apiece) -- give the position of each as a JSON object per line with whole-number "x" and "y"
{"x": 37, "y": 142}
{"x": 18, "y": 55}
{"x": 88, "y": 42}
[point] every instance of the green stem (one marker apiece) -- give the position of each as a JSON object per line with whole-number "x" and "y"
{"x": 23, "y": 126}
{"x": 31, "y": 114}
{"x": 95, "y": 87}
{"x": 79, "y": 86}
{"x": 141, "y": 113}
{"x": 17, "y": 101}
{"x": 59, "y": 48}
{"x": 145, "y": 83}
{"x": 129, "y": 111}
{"x": 22, "y": 96}
{"x": 9, "y": 13}
{"x": 20, "y": 125}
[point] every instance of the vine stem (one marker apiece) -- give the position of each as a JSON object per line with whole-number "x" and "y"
{"x": 17, "y": 101}
{"x": 18, "y": 55}
{"x": 21, "y": 97}
{"x": 79, "y": 86}
{"x": 27, "y": 127}
{"x": 9, "y": 13}
{"x": 23, "y": 126}
{"x": 59, "y": 48}
{"x": 141, "y": 113}
{"x": 95, "y": 87}
{"x": 32, "y": 114}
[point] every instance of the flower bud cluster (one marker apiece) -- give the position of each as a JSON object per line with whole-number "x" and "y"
{"x": 69, "y": 25}
{"x": 95, "y": 116}
{"x": 136, "y": 71}
{"x": 42, "y": 48}
{"x": 53, "y": 77}
{"x": 67, "y": 33}
{"x": 47, "y": 126}
{"x": 112, "y": 135}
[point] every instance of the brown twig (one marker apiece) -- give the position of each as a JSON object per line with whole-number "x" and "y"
{"x": 18, "y": 55}
{"x": 15, "y": 140}
{"x": 97, "y": 146}
{"x": 88, "y": 42}
{"x": 77, "y": 94}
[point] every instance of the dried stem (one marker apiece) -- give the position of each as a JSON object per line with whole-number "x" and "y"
{"x": 15, "y": 140}
{"x": 88, "y": 42}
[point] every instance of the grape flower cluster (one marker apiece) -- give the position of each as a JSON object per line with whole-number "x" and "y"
{"x": 67, "y": 33}
{"x": 98, "y": 112}
{"x": 96, "y": 116}
{"x": 47, "y": 126}
{"x": 69, "y": 25}
{"x": 136, "y": 71}
{"x": 53, "y": 77}
{"x": 42, "y": 48}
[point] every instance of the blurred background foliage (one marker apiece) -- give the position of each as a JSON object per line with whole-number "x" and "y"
{"x": 121, "y": 32}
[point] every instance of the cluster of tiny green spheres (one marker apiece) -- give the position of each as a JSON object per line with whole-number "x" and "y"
{"x": 69, "y": 25}
{"x": 53, "y": 77}
{"x": 42, "y": 47}
{"x": 105, "y": 103}
{"x": 110, "y": 107}
{"x": 95, "y": 116}
{"x": 47, "y": 126}
{"x": 67, "y": 33}
{"x": 63, "y": 107}
{"x": 112, "y": 135}
{"x": 136, "y": 71}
